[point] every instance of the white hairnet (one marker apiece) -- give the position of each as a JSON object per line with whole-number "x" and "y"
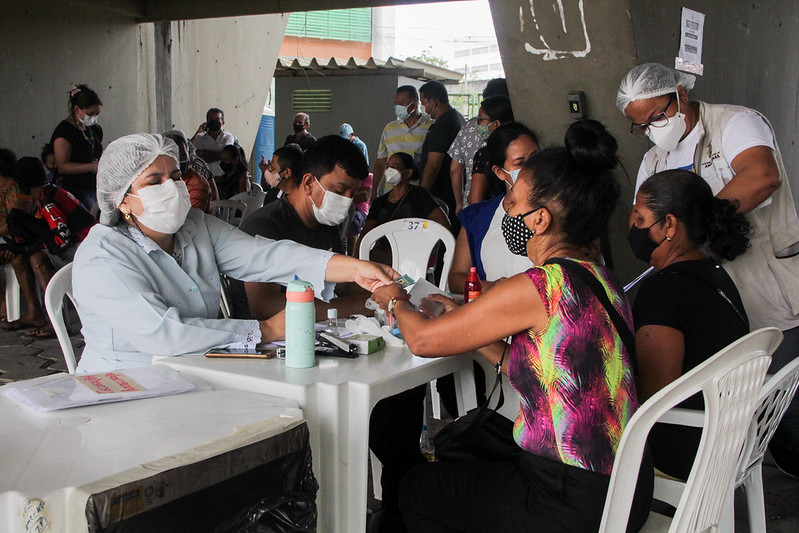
{"x": 649, "y": 80}
{"x": 121, "y": 163}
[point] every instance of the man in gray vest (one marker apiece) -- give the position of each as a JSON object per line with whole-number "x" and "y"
{"x": 735, "y": 150}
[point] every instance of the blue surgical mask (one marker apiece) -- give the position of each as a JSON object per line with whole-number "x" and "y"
{"x": 514, "y": 174}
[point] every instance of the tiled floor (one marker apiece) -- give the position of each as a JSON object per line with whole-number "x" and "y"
{"x": 24, "y": 358}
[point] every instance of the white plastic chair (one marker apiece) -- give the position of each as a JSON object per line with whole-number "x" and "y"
{"x": 730, "y": 382}
{"x": 254, "y": 198}
{"x": 228, "y": 210}
{"x": 61, "y": 285}
{"x": 12, "y": 294}
{"x": 775, "y": 397}
{"x": 412, "y": 240}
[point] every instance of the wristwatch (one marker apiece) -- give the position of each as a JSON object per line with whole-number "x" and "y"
{"x": 391, "y": 303}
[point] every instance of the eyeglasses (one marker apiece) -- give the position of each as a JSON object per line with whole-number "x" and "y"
{"x": 483, "y": 119}
{"x": 658, "y": 121}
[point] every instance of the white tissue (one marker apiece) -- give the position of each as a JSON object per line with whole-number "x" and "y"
{"x": 370, "y": 326}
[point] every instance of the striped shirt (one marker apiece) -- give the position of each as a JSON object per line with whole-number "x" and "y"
{"x": 398, "y": 137}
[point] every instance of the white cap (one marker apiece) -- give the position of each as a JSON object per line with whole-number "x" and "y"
{"x": 121, "y": 163}
{"x": 649, "y": 80}
{"x": 332, "y": 313}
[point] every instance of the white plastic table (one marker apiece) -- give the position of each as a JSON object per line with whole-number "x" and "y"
{"x": 51, "y": 462}
{"x": 337, "y": 396}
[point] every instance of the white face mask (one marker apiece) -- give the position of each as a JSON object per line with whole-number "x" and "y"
{"x": 668, "y": 137}
{"x": 401, "y": 111}
{"x": 166, "y": 206}
{"x": 88, "y": 120}
{"x": 334, "y": 209}
{"x": 392, "y": 176}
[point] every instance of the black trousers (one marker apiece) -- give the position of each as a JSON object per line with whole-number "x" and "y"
{"x": 532, "y": 495}
{"x": 394, "y": 431}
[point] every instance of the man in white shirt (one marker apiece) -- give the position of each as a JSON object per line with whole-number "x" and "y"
{"x": 211, "y": 137}
{"x": 735, "y": 151}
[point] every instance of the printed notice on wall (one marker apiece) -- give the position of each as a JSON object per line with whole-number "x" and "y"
{"x": 690, "y": 57}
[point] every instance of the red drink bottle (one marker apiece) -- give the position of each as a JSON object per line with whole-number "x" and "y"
{"x": 472, "y": 289}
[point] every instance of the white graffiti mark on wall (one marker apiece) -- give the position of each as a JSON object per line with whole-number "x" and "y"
{"x": 547, "y": 52}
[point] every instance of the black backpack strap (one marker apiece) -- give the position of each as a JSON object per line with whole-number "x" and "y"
{"x": 596, "y": 287}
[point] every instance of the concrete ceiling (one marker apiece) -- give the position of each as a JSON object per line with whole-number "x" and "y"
{"x": 162, "y": 10}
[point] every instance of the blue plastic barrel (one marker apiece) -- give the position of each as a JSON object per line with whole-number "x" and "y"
{"x": 265, "y": 139}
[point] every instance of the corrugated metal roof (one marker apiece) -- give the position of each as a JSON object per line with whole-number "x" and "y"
{"x": 336, "y": 66}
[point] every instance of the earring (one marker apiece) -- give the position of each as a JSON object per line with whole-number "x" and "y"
{"x": 668, "y": 238}
{"x": 126, "y": 214}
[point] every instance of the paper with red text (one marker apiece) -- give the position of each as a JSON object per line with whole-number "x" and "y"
{"x": 62, "y": 391}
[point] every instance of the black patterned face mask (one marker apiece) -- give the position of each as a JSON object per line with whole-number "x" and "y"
{"x": 516, "y": 232}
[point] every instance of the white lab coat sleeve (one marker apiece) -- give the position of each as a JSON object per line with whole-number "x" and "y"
{"x": 127, "y": 302}
{"x": 247, "y": 258}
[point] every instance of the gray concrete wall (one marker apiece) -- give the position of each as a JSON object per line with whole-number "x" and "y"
{"x": 150, "y": 77}
{"x": 226, "y": 63}
{"x": 747, "y": 54}
{"x": 365, "y": 102}
{"x": 592, "y": 55}
{"x": 47, "y": 47}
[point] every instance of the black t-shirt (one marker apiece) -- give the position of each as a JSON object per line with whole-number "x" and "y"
{"x": 279, "y": 221}
{"x": 685, "y": 296}
{"x": 494, "y": 186}
{"x": 438, "y": 139}
{"x": 417, "y": 202}
{"x": 305, "y": 143}
{"x": 87, "y": 146}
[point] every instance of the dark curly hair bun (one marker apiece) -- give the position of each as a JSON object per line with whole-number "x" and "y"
{"x": 590, "y": 145}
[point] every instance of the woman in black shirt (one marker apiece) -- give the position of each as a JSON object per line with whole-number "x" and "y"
{"x": 403, "y": 201}
{"x": 690, "y": 308}
{"x": 78, "y": 144}
{"x": 236, "y": 178}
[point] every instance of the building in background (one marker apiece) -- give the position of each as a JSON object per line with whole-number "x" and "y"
{"x": 333, "y": 91}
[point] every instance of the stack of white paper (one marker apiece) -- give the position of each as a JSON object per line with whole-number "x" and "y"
{"x": 61, "y": 391}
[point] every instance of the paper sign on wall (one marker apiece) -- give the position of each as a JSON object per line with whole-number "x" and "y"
{"x": 690, "y": 57}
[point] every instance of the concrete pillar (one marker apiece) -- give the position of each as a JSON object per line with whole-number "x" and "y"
{"x": 547, "y": 53}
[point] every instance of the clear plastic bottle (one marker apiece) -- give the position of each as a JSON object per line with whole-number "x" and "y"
{"x": 332, "y": 323}
{"x": 426, "y": 445}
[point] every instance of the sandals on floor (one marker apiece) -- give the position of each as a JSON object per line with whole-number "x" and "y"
{"x": 42, "y": 333}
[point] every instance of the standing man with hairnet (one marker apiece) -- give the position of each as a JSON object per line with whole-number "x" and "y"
{"x": 735, "y": 151}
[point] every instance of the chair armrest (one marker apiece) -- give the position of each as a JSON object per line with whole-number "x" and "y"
{"x": 683, "y": 417}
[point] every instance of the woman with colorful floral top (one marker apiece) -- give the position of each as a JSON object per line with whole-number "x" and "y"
{"x": 567, "y": 362}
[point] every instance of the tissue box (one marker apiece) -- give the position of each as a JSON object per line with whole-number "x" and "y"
{"x": 366, "y": 344}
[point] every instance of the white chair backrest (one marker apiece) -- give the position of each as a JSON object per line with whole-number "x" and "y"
{"x": 59, "y": 286}
{"x": 230, "y": 211}
{"x": 255, "y": 186}
{"x": 730, "y": 382}
{"x": 254, "y": 198}
{"x": 412, "y": 240}
{"x": 775, "y": 397}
